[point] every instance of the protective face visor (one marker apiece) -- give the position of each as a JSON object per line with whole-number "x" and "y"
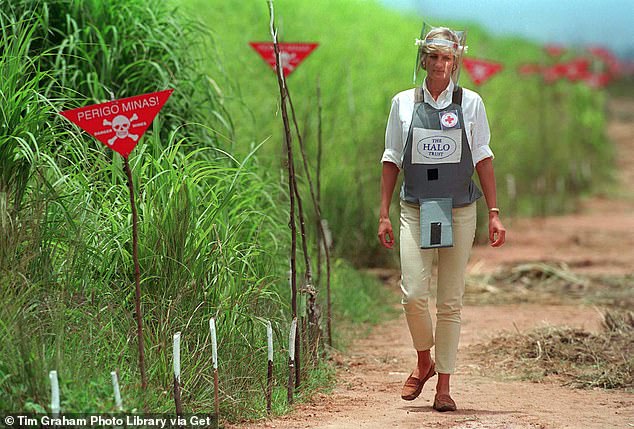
{"x": 457, "y": 49}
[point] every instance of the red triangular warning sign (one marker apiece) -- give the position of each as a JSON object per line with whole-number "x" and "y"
{"x": 577, "y": 69}
{"x": 529, "y": 69}
{"x": 119, "y": 124}
{"x": 480, "y": 70}
{"x": 555, "y": 72}
{"x": 291, "y": 54}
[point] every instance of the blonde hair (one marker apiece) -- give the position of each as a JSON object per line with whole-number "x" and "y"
{"x": 433, "y": 43}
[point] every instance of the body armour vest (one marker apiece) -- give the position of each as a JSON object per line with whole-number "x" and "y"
{"x": 437, "y": 161}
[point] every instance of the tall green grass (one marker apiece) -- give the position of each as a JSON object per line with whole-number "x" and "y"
{"x": 97, "y": 50}
{"x": 366, "y": 54}
{"x": 213, "y": 225}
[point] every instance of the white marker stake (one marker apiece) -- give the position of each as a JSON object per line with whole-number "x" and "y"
{"x": 54, "y": 392}
{"x": 177, "y": 374}
{"x": 291, "y": 340}
{"x": 177, "y": 356}
{"x": 269, "y": 339}
{"x": 117, "y": 391}
{"x": 291, "y": 361}
{"x": 214, "y": 359}
{"x": 214, "y": 342}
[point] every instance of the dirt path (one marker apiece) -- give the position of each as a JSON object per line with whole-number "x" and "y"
{"x": 371, "y": 373}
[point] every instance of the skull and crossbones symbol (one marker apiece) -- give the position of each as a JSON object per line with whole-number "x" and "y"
{"x": 121, "y": 126}
{"x": 287, "y": 59}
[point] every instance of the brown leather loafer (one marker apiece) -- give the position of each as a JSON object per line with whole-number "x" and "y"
{"x": 443, "y": 402}
{"x": 413, "y": 386}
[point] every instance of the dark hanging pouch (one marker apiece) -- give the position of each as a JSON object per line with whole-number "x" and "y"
{"x": 436, "y": 228}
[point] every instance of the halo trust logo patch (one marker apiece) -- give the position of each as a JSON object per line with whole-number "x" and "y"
{"x": 437, "y": 147}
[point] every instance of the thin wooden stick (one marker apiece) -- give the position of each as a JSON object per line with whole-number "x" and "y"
{"x": 289, "y": 151}
{"x": 137, "y": 275}
{"x": 319, "y": 219}
{"x": 321, "y": 241}
{"x": 320, "y": 238}
{"x": 309, "y": 277}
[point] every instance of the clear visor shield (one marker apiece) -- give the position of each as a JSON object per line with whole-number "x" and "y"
{"x": 457, "y": 48}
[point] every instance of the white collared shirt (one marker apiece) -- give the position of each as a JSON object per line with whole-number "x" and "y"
{"x": 473, "y": 112}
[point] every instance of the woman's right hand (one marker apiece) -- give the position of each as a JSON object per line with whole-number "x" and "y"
{"x": 386, "y": 235}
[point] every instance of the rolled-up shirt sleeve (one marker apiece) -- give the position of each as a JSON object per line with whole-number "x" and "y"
{"x": 394, "y": 137}
{"x": 480, "y": 134}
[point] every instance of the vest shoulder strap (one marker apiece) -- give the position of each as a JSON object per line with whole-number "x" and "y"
{"x": 418, "y": 95}
{"x": 456, "y": 98}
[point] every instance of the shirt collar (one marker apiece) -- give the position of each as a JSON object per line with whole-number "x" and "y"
{"x": 444, "y": 99}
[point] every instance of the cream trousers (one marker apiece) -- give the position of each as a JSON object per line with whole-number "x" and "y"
{"x": 416, "y": 268}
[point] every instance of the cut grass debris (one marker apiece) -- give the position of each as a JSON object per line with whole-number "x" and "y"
{"x": 549, "y": 283}
{"x": 578, "y": 358}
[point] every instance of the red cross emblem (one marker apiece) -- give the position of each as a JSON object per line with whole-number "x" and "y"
{"x": 449, "y": 119}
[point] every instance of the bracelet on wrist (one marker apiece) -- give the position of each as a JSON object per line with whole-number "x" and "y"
{"x": 494, "y": 210}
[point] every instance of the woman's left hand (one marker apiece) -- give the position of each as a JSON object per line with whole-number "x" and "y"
{"x": 497, "y": 232}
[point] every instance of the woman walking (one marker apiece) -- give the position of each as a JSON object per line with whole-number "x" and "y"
{"x": 437, "y": 134}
